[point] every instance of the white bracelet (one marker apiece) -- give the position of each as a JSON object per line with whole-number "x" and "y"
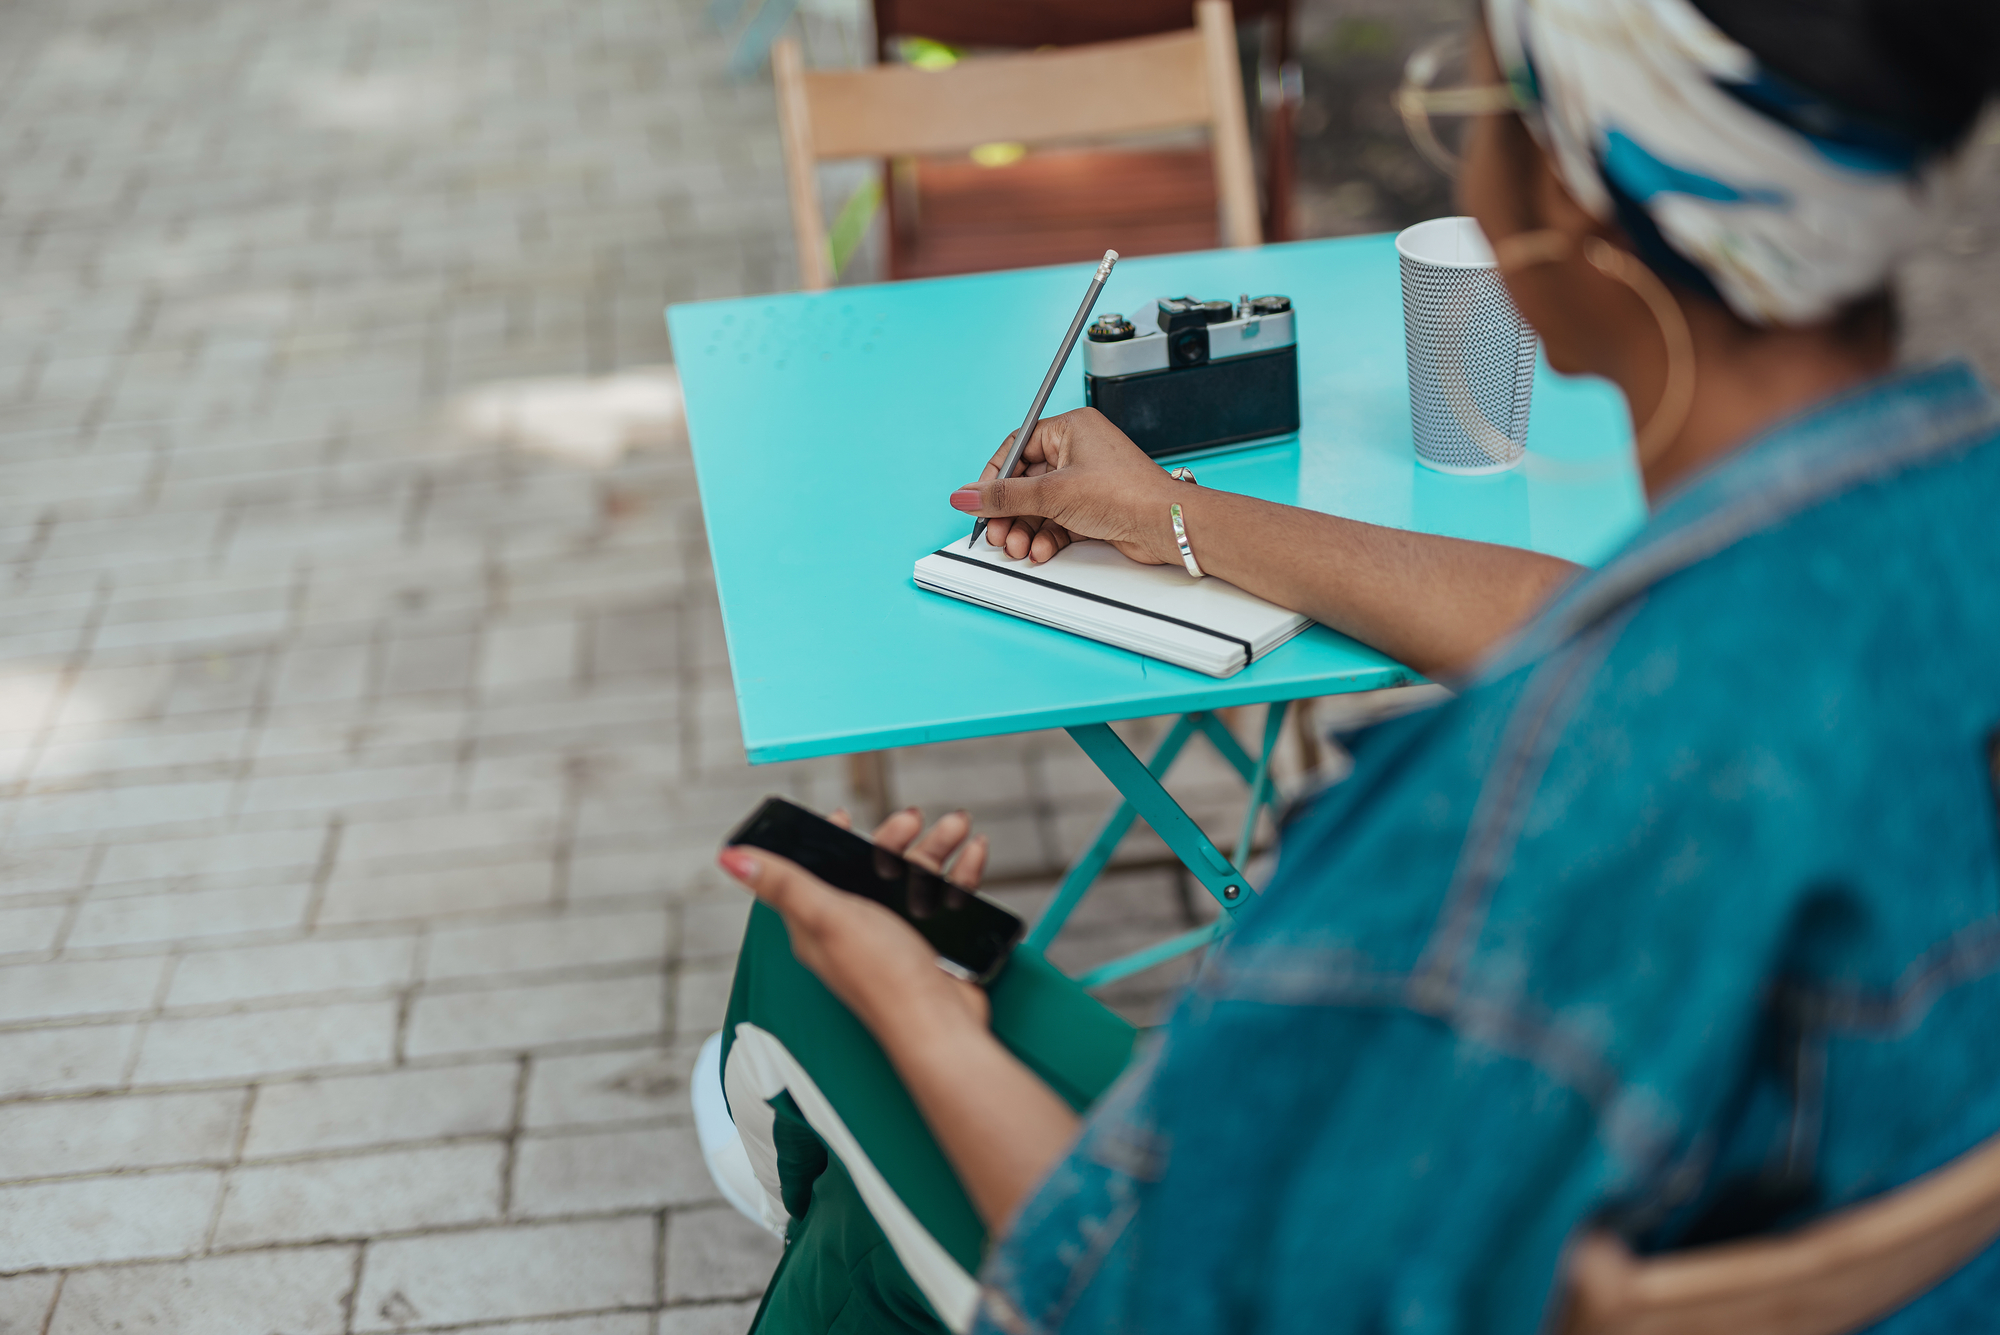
{"x": 1180, "y": 540}
{"x": 1180, "y": 527}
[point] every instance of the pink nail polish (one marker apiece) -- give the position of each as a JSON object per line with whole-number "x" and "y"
{"x": 737, "y": 863}
{"x": 965, "y": 498}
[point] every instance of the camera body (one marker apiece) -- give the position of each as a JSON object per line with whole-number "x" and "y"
{"x": 1212, "y": 373}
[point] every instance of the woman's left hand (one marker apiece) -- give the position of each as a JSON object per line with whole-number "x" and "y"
{"x": 867, "y": 956}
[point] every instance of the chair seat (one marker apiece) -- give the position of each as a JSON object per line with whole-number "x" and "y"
{"x": 1056, "y": 208}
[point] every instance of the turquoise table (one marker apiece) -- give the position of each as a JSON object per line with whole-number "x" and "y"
{"x": 828, "y": 429}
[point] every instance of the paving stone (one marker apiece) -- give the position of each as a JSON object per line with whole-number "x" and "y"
{"x": 411, "y": 896}
{"x": 294, "y": 848}
{"x": 516, "y": 1019}
{"x": 342, "y": 1112}
{"x": 645, "y": 1084}
{"x": 701, "y": 997}
{"x": 42, "y": 871}
{"x": 495, "y": 1274}
{"x": 297, "y": 1290}
{"x": 133, "y": 807}
{"x": 31, "y": 930}
{"x": 264, "y": 1043}
{"x": 430, "y": 663}
{"x": 634, "y": 641}
{"x": 25, "y": 1301}
{"x": 712, "y": 928}
{"x": 572, "y": 940}
{"x": 51, "y": 1137}
{"x": 361, "y": 789}
{"x": 356, "y": 1196}
{"x": 248, "y": 973}
{"x": 319, "y": 674}
{"x": 596, "y": 1171}
{"x": 715, "y": 1252}
{"x": 56, "y": 991}
{"x": 610, "y": 1323}
{"x": 87, "y": 1220}
{"x": 64, "y": 1060}
{"x": 188, "y": 916}
{"x": 527, "y": 653}
{"x": 443, "y": 838}
{"x": 707, "y": 1319}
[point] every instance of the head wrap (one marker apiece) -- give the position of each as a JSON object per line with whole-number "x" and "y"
{"x": 1727, "y": 176}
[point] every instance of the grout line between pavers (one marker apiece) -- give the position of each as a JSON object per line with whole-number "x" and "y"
{"x": 661, "y": 1222}
{"x": 48, "y": 1317}
{"x": 329, "y": 854}
{"x": 352, "y": 1296}
{"x": 516, "y": 1117}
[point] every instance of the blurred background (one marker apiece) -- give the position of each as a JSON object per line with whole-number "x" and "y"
{"x": 366, "y": 730}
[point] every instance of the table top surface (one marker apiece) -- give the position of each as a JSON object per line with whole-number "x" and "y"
{"x": 829, "y": 428}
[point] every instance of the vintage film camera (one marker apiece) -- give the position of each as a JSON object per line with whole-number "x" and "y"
{"x": 1213, "y": 373}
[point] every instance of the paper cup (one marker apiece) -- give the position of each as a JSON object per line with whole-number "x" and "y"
{"x": 1472, "y": 356}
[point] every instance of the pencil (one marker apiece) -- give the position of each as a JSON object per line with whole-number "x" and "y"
{"x": 1013, "y": 459}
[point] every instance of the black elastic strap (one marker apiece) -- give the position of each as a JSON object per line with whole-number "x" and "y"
{"x": 1099, "y": 598}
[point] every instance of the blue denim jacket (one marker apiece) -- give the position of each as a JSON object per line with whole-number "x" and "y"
{"x": 1683, "y": 919}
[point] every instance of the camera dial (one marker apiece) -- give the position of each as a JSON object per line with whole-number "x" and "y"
{"x": 1111, "y": 327}
{"x": 1270, "y": 305}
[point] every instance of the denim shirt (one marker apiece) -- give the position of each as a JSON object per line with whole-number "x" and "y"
{"x": 1683, "y": 920}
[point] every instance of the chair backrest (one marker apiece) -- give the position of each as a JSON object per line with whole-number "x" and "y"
{"x": 1033, "y": 23}
{"x": 1169, "y": 82}
{"x": 1836, "y": 1275}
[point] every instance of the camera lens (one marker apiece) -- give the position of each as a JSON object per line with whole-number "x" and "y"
{"x": 1188, "y": 347}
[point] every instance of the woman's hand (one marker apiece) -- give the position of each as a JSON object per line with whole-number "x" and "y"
{"x": 1084, "y": 479}
{"x": 867, "y": 956}
{"x": 999, "y": 1125}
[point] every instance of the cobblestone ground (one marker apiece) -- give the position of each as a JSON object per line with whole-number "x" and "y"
{"x": 364, "y": 724}
{"x": 364, "y": 720}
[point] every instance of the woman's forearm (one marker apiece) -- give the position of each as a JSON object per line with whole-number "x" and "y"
{"x": 1432, "y": 602}
{"x": 998, "y": 1124}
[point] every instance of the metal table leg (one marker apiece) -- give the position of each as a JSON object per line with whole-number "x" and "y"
{"x": 1144, "y": 796}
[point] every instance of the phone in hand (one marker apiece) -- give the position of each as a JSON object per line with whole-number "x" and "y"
{"x": 972, "y": 935}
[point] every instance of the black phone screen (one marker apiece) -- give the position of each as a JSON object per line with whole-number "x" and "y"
{"x": 965, "y": 928}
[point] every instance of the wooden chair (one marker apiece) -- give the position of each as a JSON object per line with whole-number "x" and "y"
{"x": 999, "y": 219}
{"x": 1839, "y": 1274}
{"x": 1023, "y": 25}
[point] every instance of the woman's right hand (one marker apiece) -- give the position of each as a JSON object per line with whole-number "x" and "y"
{"x": 1084, "y": 479}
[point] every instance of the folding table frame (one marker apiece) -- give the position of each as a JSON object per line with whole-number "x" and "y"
{"x": 1145, "y": 797}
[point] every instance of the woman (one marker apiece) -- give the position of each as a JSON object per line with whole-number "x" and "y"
{"x": 1683, "y": 918}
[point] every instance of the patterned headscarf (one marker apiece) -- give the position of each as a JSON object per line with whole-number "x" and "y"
{"x": 1727, "y": 176}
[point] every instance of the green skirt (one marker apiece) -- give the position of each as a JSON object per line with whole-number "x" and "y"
{"x": 838, "y": 1272}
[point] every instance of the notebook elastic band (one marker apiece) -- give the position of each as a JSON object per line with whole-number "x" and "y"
{"x": 1099, "y": 598}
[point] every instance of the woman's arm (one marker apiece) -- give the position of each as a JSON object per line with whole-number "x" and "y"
{"x": 998, "y": 1124}
{"x": 1432, "y": 602}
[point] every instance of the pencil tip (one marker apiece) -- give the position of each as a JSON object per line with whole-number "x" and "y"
{"x": 978, "y": 527}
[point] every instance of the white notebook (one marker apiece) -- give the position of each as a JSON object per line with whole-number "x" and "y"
{"x": 1089, "y": 589}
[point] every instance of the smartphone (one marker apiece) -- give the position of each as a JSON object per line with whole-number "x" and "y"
{"x": 972, "y": 935}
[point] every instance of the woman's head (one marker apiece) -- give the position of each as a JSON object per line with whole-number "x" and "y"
{"x": 1770, "y": 159}
{"x": 1775, "y": 155}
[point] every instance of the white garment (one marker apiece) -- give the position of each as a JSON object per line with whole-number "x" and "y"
{"x": 760, "y": 1069}
{"x": 1789, "y": 226}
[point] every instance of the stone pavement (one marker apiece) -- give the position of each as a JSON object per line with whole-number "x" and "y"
{"x": 364, "y": 726}
{"x": 364, "y": 723}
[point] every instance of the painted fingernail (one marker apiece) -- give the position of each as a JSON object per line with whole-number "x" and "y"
{"x": 737, "y": 863}
{"x": 965, "y": 498}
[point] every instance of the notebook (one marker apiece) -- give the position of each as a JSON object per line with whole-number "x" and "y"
{"x": 1089, "y": 589}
